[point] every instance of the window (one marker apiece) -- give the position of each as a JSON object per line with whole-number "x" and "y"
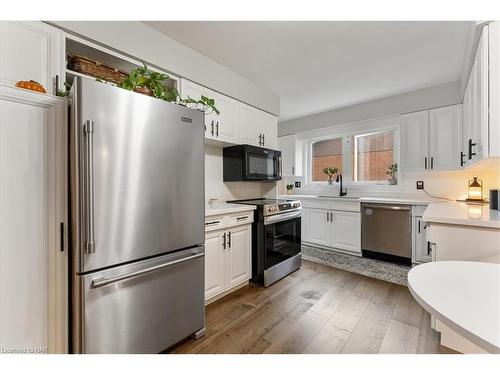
{"x": 372, "y": 155}
{"x": 326, "y": 153}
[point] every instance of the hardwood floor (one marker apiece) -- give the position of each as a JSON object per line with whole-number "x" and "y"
{"x": 317, "y": 309}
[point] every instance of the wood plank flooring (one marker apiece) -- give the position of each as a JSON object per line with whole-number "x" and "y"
{"x": 317, "y": 309}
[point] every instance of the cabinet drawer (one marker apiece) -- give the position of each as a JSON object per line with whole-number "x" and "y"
{"x": 217, "y": 222}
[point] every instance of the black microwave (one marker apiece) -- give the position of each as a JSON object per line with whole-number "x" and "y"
{"x": 251, "y": 163}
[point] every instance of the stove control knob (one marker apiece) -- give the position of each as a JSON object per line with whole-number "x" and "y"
{"x": 296, "y": 205}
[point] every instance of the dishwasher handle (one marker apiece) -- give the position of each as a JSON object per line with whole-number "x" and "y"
{"x": 387, "y": 207}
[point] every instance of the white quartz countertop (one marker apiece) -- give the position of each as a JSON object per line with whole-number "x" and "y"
{"x": 370, "y": 199}
{"x": 465, "y": 296}
{"x": 227, "y": 208}
{"x": 460, "y": 213}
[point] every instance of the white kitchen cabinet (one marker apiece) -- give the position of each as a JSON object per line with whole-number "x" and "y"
{"x": 494, "y": 88}
{"x": 431, "y": 139}
{"x": 215, "y": 265}
{"x": 414, "y": 141}
{"x": 269, "y": 128}
{"x": 226, "y": 125}
{"x": 238, "y": 255}
{"x": 317, "y": 226}
{"x": 248, "y": 118}
{"x": 192, "y": 90}
{"x": 445, "y": 137}
{"x": 330, "y": 228}
{"x": 421, "y": 250}
{"x": 31, "y": 51}
{"x": 290, "y": 162}
{"x": 33, "y": 221}
{"x": 228, "y": 253}
{"x": 346, "y": 230}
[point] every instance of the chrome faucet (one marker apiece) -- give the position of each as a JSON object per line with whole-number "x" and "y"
{"x": 342, "y": 192}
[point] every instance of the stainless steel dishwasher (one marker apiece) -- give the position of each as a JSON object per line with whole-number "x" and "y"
{"x": 386, "y": 232}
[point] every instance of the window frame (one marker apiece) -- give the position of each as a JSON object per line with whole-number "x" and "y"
{"x": 348, "y": 134}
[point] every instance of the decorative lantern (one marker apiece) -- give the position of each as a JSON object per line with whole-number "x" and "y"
{"x": 475, "y": 190}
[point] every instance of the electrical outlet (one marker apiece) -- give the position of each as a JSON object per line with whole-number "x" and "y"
{"x": 420, "y": 185}
{"x": 297, "y": 184}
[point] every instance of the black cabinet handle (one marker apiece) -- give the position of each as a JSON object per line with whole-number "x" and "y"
{"x": 432, "y": 162}
{"x": 217, "y": 129}
{"x": 229, "y": 239}
{"x": 419, "y": 226}
{"x": 224, "y": 243}
{"x": 471, "y": 154}
{"x": 425, "y": 162}
{"x": 429, "y": 248}
{"x": 263, "y": 140}
{"x": 61, "y": 232}
{"x": 260, "y": 139}
{"x": 212, "y": 127}
{"x": 462, "y": 155}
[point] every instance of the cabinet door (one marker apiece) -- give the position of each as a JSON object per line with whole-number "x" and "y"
{"x": 445, "y": 138}
{"x": 215, "y": 265}
{"x": 317, "y": 226}
{"x": 226, "y": 125}
{"x": 414, "y": 141}
{"x": 238, "y": 255}
{"x": 269, "y": 129}
{"x": 346, "y": 230}
{"x": 33, "y": 256}
{"x": 248, "y": 118}
{"x": 467, "y": 121}
{"x": 194, "y": 91}
{"x": 421, "y": 252}
{"x": 286, "y": 145}
{"x": 31, "y": 51}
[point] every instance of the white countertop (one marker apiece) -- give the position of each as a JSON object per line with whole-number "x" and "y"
{"x": 460, "y": 213}
{"x": 371, "y": 199}
{"x": 226, "y": 208}
{"x": 465, "y": 296}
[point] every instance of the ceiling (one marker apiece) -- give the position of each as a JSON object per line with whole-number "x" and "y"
{"x": 319, "y": 66}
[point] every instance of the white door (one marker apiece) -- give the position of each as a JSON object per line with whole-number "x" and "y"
{"x": 317, "y": 226}
{"x": 248, "y": 118}
{"x": 422, "y": 253}
{"x": 215, "y": 264}
{"x": 286, "y": 145}
{"x": 194, "y": 91}
{"x": 467, "y": 121}
{"x": 31, "y": 51}
{"x": 414, "y": 141}
{"x": 238, "y": 255}
{"x": 445, "y": 137}
{"x": 226, "y": 125}
{"x": 269, "y": 129}
{"x": 346, "y": 231}
{"x": 33, "y": 255}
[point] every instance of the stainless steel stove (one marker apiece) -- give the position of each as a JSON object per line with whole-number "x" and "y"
{"x": 276, "y": 241}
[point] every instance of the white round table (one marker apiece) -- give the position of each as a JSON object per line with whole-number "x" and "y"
{"x": 465, "y": 296}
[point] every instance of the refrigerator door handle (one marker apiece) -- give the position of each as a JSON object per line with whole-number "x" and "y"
{"x": 89, "y": 186}
{"x": 98, "y": 283}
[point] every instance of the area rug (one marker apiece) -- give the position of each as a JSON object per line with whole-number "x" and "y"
{"x": 377, "y": 269}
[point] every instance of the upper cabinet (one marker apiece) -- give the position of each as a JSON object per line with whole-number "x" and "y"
{"x": 31, "y": 51}
{"x": 291, "y": 155}
{"x": 481, "y": 107}
{"x": 237, "y": 123}
{"x": 431, "y": 140}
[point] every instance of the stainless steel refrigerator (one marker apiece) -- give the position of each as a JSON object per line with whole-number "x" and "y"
{"x": 137, "y": 221}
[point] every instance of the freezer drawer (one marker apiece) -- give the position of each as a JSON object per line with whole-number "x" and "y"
{"x": 386, "y": 229}
{"x": 143, "y": 307}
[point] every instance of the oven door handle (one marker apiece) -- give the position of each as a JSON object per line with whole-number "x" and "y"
{"x": 281, "y": 217}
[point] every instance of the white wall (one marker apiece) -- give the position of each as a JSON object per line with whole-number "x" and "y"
{"x": 215, "y": 188}
{"x": 431, "y": 97}
{"x": 143, "y": 42}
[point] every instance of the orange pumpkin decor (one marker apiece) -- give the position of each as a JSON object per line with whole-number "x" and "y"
{"x": 31, "y": 85}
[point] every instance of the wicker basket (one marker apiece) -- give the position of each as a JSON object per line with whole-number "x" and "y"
{"x": 94, "y": 68}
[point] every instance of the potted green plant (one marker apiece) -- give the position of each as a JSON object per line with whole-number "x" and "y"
{"x": 147, "y": 82}
{"x": 392, "y": 172}
{"x": 330, "y": 171}
{"x": 289, "y": 188}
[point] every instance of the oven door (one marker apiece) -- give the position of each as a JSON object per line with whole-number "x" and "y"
{"x": 282, "y": 245}
{"x": 262, "y": 165}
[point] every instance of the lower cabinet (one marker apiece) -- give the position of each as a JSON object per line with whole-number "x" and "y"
{"x": 227, "y": 259}
{"x": 333, "y": 229}
{"x": 421, "y": 250}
